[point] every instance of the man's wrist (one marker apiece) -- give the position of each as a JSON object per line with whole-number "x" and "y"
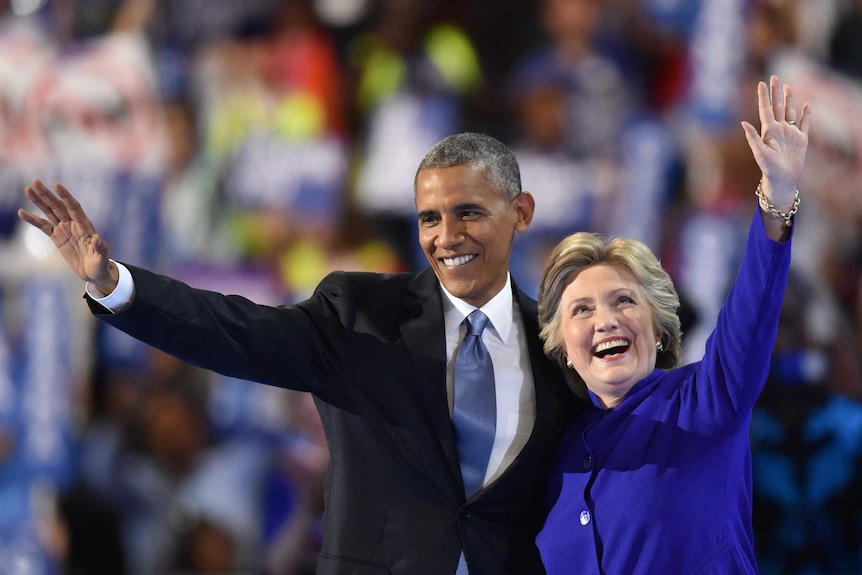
{"x": 108, "y": 287}
{"x": 122, "y": 293}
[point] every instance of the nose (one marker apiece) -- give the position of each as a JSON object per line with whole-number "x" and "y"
{"x": 449, "y": 233}
{"x": 606, "y": 318}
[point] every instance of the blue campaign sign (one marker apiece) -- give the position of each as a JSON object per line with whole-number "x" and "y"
{"x": 303, "y": 177}
{"x": 402, "y": 129}
{"x": 133, "y": 229}
{"x": 46, "y": 396}
{"x": 135, "y": 226}
{"x": 244, "y": 408}
{"x": 675, "y": 15}
{"x": 717, "y": 61}
{"x": 21, "y": 553}
{"x": 35, "y": 431}
{"x": 238, "y": 407}
{"x": 7, "y": 386}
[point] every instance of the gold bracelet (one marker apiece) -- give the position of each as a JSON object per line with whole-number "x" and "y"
{"x": 770, "y": 208}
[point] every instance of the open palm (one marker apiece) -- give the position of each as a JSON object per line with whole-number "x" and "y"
{"x": 71, "y": 231}
{"x": 779, "y": 148}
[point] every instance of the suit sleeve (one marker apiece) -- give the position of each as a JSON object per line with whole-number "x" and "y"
{"x": 292, "y": 346}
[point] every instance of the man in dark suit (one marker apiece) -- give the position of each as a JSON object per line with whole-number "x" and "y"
{"x": 377, "y": 352}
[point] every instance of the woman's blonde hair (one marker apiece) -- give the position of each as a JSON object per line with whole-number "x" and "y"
{"x": 582, "y": 250}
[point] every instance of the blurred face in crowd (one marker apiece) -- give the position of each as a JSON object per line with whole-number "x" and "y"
{"x": 174, "y": 432}
{"x": 466, "y": 229}
{"x": 569, "y": 20}
{"x": 608, "y": 330}
{"x": 543, "y": 116}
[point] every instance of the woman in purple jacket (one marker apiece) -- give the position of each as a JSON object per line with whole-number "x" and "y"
{"x": 657, "y": 477}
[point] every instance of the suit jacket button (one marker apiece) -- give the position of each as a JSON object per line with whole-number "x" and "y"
{"x": 585, "y": 517}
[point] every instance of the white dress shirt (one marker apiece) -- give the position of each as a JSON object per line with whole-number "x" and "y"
{"x": 513, "y": 377}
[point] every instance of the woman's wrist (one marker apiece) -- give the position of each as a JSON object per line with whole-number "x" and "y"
{"x": 771, "y": 209}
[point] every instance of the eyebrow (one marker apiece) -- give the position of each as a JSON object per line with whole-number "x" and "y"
{"x": 468, "y": 206}
{"x": 457, "y": 208}
{"x": 613, "y": 293}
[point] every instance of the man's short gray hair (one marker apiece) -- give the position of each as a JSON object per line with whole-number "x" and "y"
{"x": 480, "y": 150}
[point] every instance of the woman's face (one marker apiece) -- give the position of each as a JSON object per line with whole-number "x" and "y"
{"x": 608, "y": 331}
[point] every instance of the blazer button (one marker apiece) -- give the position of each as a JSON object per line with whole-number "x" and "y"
{"x": 585, "y": 517}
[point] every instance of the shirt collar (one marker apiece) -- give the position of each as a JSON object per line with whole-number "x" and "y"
{"x": 498, "y": 310}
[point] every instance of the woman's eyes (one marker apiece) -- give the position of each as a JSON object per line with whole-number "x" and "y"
{"x": 622, "y": 300}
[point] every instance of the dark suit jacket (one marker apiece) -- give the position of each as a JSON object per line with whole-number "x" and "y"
{"x": 371, "y": 348}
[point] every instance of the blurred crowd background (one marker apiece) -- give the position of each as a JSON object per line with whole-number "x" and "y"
{"x": 252, "y": 146}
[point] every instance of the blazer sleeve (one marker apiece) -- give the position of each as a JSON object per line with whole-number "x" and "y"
{"x": 736, "y": 361}
{"x": 292, "y": 346}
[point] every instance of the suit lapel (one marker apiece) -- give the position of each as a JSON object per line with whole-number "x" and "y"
{"x": 547, "y": 379}
{"x": 423, "y": 332}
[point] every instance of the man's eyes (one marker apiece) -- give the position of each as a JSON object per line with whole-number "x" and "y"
{"x": 465, "y": 215}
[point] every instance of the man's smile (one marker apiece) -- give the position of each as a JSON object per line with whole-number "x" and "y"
{"x": 457, "y": 260}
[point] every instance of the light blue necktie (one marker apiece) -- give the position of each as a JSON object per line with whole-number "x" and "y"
{"x": 475, "y": 408}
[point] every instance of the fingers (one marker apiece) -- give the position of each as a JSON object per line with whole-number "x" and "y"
{"x": 804, "y": 120}
{"x": 35, "y": 193}
{"x": 777, "y": 107}
{"x": 764, "y": 106}
{"x": 789, "y": 106}
{"x": 41, "y": 224}
{"x": 755, "y": 142}
{"x": 73, "y": 207}
{"x": 62, "y": 207}
{"x": 55, "y": 211}
{"x": 751, "y": 133}
{"x": 777, "y": 97}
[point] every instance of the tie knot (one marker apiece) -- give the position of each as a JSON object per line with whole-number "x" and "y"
{"x": 476, "y": 323}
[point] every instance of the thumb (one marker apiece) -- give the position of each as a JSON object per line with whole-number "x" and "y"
{"x": 755, "y": 142}
{"x": 99, "y": 245}
{"x": 750, "y": 130}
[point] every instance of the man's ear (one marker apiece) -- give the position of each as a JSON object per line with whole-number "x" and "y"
{"x": 525, "y": 207}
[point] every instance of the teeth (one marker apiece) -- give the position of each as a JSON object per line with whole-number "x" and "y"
{"x": 457, "y": 261}
{"x": 609, "y": 344}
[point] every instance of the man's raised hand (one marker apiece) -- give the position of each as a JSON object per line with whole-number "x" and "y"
{"x": 73, "y": 234}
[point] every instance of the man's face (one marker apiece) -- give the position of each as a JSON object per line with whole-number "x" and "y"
{"x": 466, "y": 229}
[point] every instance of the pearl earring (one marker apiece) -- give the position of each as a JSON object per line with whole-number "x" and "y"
{"x": 569, "y": 363}
{"x": 658, "y": 346}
